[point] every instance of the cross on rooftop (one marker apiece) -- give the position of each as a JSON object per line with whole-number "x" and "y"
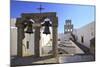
{"x": 40, "y": 8}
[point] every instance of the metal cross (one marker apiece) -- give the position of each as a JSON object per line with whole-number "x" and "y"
{"x": 40, "y": 8}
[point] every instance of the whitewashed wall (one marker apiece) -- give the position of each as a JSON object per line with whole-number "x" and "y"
{"x": 30, "y": 50}
{"x": 13, "y": 38}
{"x": 88, "y": 32}
{"x": 64, "y": 37}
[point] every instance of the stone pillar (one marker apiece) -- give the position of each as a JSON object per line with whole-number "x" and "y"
{"x": 55, "y": 33}
{"x": 37, "y": 41}
{"x": 20, "y": 36}
{"x": 55, "y": 41}
{"x": 19, "y": 42}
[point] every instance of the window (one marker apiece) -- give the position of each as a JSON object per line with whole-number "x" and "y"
{"x": 82, "y": 39}
{"x": 27, "y": 45}
{"x": 65, "y": 30}
{"x": 70, "y": 29}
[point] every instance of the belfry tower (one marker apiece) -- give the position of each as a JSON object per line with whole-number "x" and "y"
{"x": 68, "y": 27}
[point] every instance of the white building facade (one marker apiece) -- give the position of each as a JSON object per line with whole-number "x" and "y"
{"x": 85, "y": 34}
{"x": 13, "y": 37}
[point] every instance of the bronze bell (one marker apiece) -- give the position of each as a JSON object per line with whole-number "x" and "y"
{"x": 29, "y": 28}
{"x": 46, "y": 29}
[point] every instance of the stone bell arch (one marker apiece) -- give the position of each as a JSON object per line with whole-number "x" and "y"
{"x": 38, "y": 18}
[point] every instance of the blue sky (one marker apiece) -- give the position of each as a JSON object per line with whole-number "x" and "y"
{"x": 79, "y": 14}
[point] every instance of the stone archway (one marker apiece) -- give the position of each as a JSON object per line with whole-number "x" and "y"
{"x": 38, "y": 18}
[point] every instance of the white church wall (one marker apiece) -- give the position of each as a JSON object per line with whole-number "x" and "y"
{"x": 45, "y": 42}
{"x": 87, "y": 32}
{"x": 12, "y": 22}
{"x": 28, "y": 50}
{"x": 64, "y": 37}
{"x": 13, "y": 38}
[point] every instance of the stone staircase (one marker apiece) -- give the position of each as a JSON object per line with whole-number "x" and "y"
{"x": 66, "y": 47}
{"x": 85, "y": 49}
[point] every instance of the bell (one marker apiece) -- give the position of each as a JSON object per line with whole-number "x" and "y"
{"x": 46, "y": 29}
{"x": 29, "y": 28}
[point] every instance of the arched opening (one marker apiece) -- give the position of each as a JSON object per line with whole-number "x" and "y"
{"x": 28, "y": 41}
{"x": 46, "y": 38}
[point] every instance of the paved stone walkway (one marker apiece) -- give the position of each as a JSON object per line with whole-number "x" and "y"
{"x": 22, "y": 61}
{"x": 70, "y": 47}
{"x": 76, "y": 58}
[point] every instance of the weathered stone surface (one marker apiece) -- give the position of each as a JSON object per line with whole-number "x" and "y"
{"x": 38, "y": 18}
